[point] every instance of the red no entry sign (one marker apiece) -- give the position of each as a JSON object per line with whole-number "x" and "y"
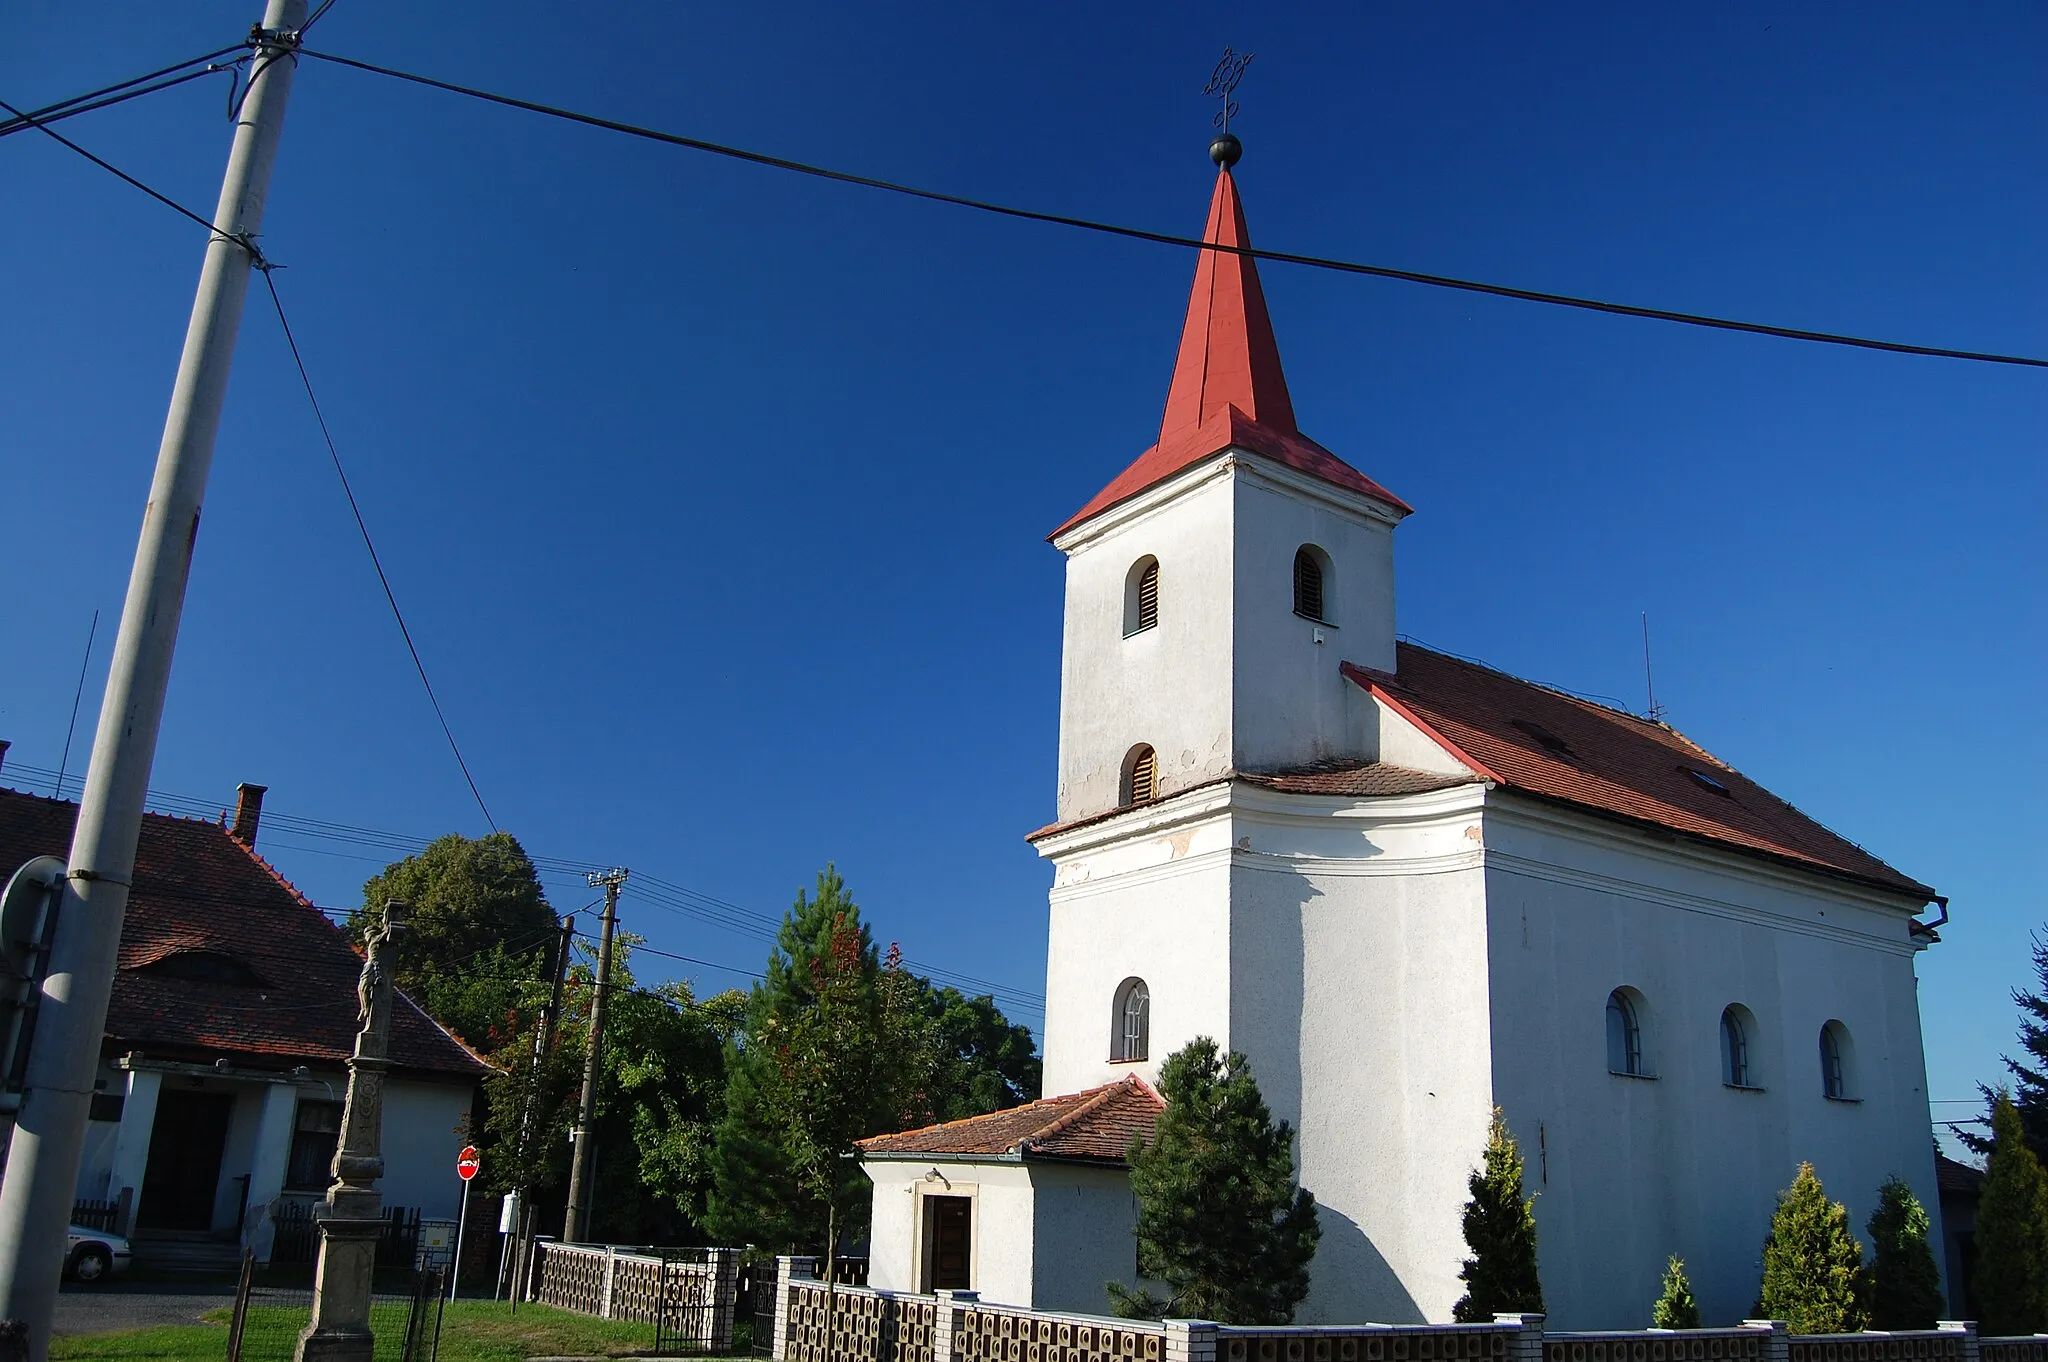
{"x": 466, "y": 1163}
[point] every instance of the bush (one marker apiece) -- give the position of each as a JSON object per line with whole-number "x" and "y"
{"x": 2011, "y": 1282}
{"x": 1676, "y": 1308}
{"x": 1500, "y": 1229}
{"x": 1813, "y": 1266}
{"x": 1905, "y": 1286}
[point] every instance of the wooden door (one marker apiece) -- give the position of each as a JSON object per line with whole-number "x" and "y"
{"x": 949, "y": 1243}
{"x": 183, "y": 1172}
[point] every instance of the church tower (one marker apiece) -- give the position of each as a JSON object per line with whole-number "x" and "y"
{"x": 1214, "y": 585}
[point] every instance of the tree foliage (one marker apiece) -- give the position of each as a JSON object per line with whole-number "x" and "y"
{"x": 2029, "y": 1093}
{"x": 1813, "y": 1266}
{"x": 1905, "y": 1285}
{"x": 982, "y": 1061}
{"x": 2011, "y": 1281}
{"x": 1221, "y": 1221}
{"x": 1500, "y": 1230}
{"x": 480, "y": 931}
{"x": 1675, "y": 1307}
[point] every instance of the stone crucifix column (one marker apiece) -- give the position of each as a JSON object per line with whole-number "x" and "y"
{"x": 352, "y": 1219}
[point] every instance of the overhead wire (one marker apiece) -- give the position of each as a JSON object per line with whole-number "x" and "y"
{"x": 1173, "y": 239}
{"x": 109, "y": 95}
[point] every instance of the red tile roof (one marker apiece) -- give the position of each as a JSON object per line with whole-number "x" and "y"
{"x": 1095, "y": 1126}
{"x": 1228, "y": 388}
{"x": 199, "y": 890}
{"x": 1543, "y": 742}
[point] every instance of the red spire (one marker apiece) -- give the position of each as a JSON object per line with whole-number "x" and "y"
{"x": 1228, "y": 391}
{"x": 1228, "y": 356}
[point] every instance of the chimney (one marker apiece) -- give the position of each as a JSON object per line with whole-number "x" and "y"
{"x": 248, "y": 813}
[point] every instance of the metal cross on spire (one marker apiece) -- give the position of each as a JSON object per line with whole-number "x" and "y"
{"x": 1225, "y": 150}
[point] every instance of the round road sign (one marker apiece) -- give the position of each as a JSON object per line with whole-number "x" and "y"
{"x": 466, "y": 1163}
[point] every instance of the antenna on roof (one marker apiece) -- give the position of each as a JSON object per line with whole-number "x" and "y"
{"x": 1656, "y": 712}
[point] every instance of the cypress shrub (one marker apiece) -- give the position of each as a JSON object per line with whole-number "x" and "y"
{"x": 1905, "y": 1286}
{"x": 2011, "y": 1282}
{"x": 1676, "y": 1308}
{"x": 1813, "y": 1266}
{"x": 1500, "y": 1229}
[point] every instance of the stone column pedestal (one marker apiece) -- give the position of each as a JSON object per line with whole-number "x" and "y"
{"x": 340, "y": 1328}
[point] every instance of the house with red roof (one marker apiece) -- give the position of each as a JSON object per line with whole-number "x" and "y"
{"x": 1412, "y": 889}
{"x": 233, "y": 1014}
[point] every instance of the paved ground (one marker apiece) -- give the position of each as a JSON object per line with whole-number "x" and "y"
{"x": 137, "y": 1305}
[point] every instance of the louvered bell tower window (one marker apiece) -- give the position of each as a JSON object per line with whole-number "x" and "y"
{"x": 1308, "y": 586}
{"x": 1141, "y": 776}
{"x": 1141, "y": 596}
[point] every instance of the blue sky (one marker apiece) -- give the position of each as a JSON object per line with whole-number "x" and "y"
{"x": 716, "y": 497}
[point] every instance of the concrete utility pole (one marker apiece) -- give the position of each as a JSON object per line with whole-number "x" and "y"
{"x": 575, "y": 1221}
{"x": 543, "y": 1047}
{"x": 42, "y": 1162}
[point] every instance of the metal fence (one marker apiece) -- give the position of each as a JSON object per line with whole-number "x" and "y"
{"x": 297, "y": 1239}
{"x": 689, "y": 1295}
{"x": 104, "y": 1216}
{"x": 267, "y": 1321}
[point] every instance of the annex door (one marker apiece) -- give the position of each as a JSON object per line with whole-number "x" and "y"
{"x": 948, "y": 1243}
{"x": 183, "y": 1172}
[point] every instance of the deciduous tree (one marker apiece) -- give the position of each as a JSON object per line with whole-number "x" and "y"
{"x": 1813, "y": 1266}
{"x": 1221, "y": 1221}
{"x": 1500, "y": 1229}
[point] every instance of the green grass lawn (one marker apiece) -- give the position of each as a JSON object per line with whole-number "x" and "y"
{"x": 471, "y": 1331}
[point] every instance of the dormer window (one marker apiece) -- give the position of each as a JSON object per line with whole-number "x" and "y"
{"x": 1311, "y": 584}
{"x": 1141, "y": 596}
{"x": 203, "y": 967}
{"x": 1141, "y": 776}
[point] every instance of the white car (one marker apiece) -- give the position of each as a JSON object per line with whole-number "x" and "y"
{"x": 91, "y": 1257}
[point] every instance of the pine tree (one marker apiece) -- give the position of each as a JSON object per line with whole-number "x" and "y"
{"x": 2011, "y": 1282}
{"x": 2029, "y": 1094}
{"x": 1500, "y": 1229}
{"x": 1676, "y": 1308}
{"x": 1813, "y": 1266}
{"x": 1221, "y": 1220}
{"x": 1905, "y": 1286}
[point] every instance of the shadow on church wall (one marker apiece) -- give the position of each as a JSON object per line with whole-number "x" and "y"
{"x": 1349, "y": 1282}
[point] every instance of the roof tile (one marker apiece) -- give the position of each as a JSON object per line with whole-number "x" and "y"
{"x": 1093, "y": 1126}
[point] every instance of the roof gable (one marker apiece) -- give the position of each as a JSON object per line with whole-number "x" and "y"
{"x": 1530, "y": 738}
{"x": 199, "y": 893}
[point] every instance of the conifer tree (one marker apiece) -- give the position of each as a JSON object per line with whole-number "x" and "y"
{"x": 1905, "y": 1286}
{"x": 2011, "y": 1281}
{"x": 1500, "y": 1229}
{"x": 1676, "y": 1308}
{"x": 1221, "y": 1220}
{"x": 1813, "y": 1266}
{"x": 2029, "y": 1093}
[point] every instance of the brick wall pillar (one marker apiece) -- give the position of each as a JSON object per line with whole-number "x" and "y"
{"x": 1778, "y": 1347}
{"x": 1528, "y": 1343}
{"x": 1968, "y": 1329}
{"x": 786, "y": 1267}
{"x": 1190, "y": 1340}
{"x": 943, "y": 1316}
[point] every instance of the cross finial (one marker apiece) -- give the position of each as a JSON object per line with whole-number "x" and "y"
{"x": 1225, "y": 150}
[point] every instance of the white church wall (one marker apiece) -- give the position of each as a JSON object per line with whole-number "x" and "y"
{"x": 1630, "y": 1170}
{"x": 1292, "y": 704}
{"x": 1168, "y": 686}
{"x": 1401, "y": 743}
{"x": 1146, "y": 895}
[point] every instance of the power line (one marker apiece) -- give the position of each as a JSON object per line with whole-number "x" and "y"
{"x": 375, "y": 561}
{"x": 1170, "y": 239}
{"x": 99, "y": 99}
{"x": 112, "y": 169}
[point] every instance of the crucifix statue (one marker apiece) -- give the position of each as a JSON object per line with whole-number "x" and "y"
{"x": 352, "y": 1220}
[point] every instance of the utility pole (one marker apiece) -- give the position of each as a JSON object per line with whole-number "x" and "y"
{"x": 574, "y": 1223}
{"x": 42, "y": 1163}
{"x": 543, "y": 1047}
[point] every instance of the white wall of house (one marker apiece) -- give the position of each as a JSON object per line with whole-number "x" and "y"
{"x": 1086, "y": 1220}
{"x": 1631, "y": 1170}
{"x": 423, "y": 1122}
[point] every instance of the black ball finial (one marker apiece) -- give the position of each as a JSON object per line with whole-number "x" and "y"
{"x": 1226, "y": 150}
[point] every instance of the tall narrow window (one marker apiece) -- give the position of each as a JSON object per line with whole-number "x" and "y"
{"x": 1624, "y": 1036}
{"x": 1834, "y": 1061}
{"x": 1310, "y": 597}
{"x": 1131, "y": 1022}
{"x": 1141, "y": 597}
{"x": 1736, "y": 1070}
{"x": 1141, "y": 775}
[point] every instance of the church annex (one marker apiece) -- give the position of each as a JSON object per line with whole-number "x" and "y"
{"x": 1410, "y": 888}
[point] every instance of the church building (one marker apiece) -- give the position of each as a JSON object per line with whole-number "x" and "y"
{"x": 1411, "y": 889}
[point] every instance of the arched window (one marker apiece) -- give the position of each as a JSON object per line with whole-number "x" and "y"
{"x": 1141, "y": 775}
{"x": 1141, "y": 596}
{"x": 1834, "y": 1062}
{"x": 1736, "y": 1069}
{"x": 1130, "y": 1035}
{"x": 1625, "y": 1035}
{"x": 1311, "y": 584}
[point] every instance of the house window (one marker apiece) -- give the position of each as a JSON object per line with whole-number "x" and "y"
{"x": 1141, "y": 775}
{"x": 1834, "y": 1062}
{"x": 1625, "y": 1035}
{"x": 1736, "y": 1069}
{"x": 1131, "y": 1022}
{"x": 1141, "y": 597}
{"x": 315, "y": 1132}
{"x": 1311, "y": 584}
